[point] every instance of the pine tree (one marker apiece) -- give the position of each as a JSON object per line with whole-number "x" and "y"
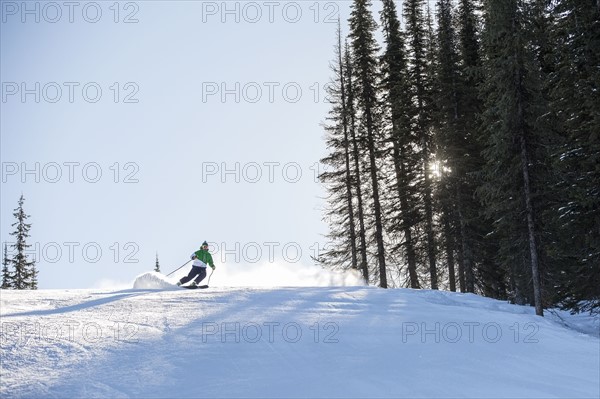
{"x": 419, "y": 45}
{"x": 7, "y": 278}
{"x": 456, "y": 118}
{"x": 449, "y": 131}
{"x": 398, "y": 100}
{"x": 25, "y": 274}
{"x": 574, "y": 98}
{"x": 513, "y": 94}
{"x": 364, "y": 64}
{"x": 355, "y": 160}
{"x": 347, "y": 157}
{"x": 342, "y": 250}
{"x": 157, "y": 265}
{"x": 477, "y": 248}
{"x": 434, "y": 166}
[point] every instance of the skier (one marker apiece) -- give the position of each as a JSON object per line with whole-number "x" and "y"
{"x": 202, "y": 258}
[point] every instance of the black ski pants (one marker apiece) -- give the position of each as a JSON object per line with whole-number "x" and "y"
{"x": 198, "y": 271}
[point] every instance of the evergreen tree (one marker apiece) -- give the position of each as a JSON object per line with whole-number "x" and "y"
{"x": 456, "y": 118}
{"x": 419, "y": 43}
{"x": 477, "y": 248}
{"x": 355, "y": 159}
{"x": 342, "y": 249}
{"x": 25, "y": 274}
{"x": 512, "y": 92}
{"x": 157, "y": 265}
{"x": 575, "y": 95}
{"x": 433, "y": 166}
{"x": 398, "y": 101}
{"x": 7, "y": 278}
{"x": 364, "y": 64}
{"x": 449, "y": 131}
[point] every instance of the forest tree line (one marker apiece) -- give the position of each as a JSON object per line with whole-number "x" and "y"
{"x": 464, "y": 149}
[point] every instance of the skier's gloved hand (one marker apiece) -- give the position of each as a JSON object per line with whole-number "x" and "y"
{"x": 193, "y": 257}
{"x": 213, "y": 267}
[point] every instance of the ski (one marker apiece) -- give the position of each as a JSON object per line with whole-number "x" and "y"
{"x": 194, "y": 287}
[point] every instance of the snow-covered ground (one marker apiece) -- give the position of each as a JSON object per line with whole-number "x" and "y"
{"x": 289, "y": 342}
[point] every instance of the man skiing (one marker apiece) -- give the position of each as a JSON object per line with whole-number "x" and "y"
{"x": 202, "y": 258}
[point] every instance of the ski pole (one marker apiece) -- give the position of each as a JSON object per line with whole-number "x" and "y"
{"x": 208, "y": 282}
{"x": 178, "y": 268}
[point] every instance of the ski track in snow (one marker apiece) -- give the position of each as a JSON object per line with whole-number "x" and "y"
{"x": 288, "y": 342}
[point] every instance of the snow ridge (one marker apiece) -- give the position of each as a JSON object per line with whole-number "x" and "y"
{"x": 153, "y": 281}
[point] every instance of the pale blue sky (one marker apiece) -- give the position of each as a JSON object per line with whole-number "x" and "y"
{"x": 169, "y": 61}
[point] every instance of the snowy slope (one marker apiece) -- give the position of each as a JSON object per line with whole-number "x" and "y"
{"x": 287, "y": 342}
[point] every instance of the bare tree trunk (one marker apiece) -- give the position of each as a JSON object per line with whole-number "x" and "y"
{"x": 347, "y": 154}
{"x": 449, "y": 250}
{"x": 461, "y": 268}
{"x": 535, "y": 269}
{"x": 468, "y": 264}
{"x": 351, "y": 221}
{"x": 466, "y": 277}
{"x": 429, "y": 227}
{"x": 361, "y": 215}
{"x": 357, "y": 172}
{"x": 411, "y": 258}
{"x": 376, "y": 202}
{"x": 521, "y": 134}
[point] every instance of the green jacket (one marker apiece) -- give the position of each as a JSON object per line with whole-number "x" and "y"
{"x": 205, "y": 257}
